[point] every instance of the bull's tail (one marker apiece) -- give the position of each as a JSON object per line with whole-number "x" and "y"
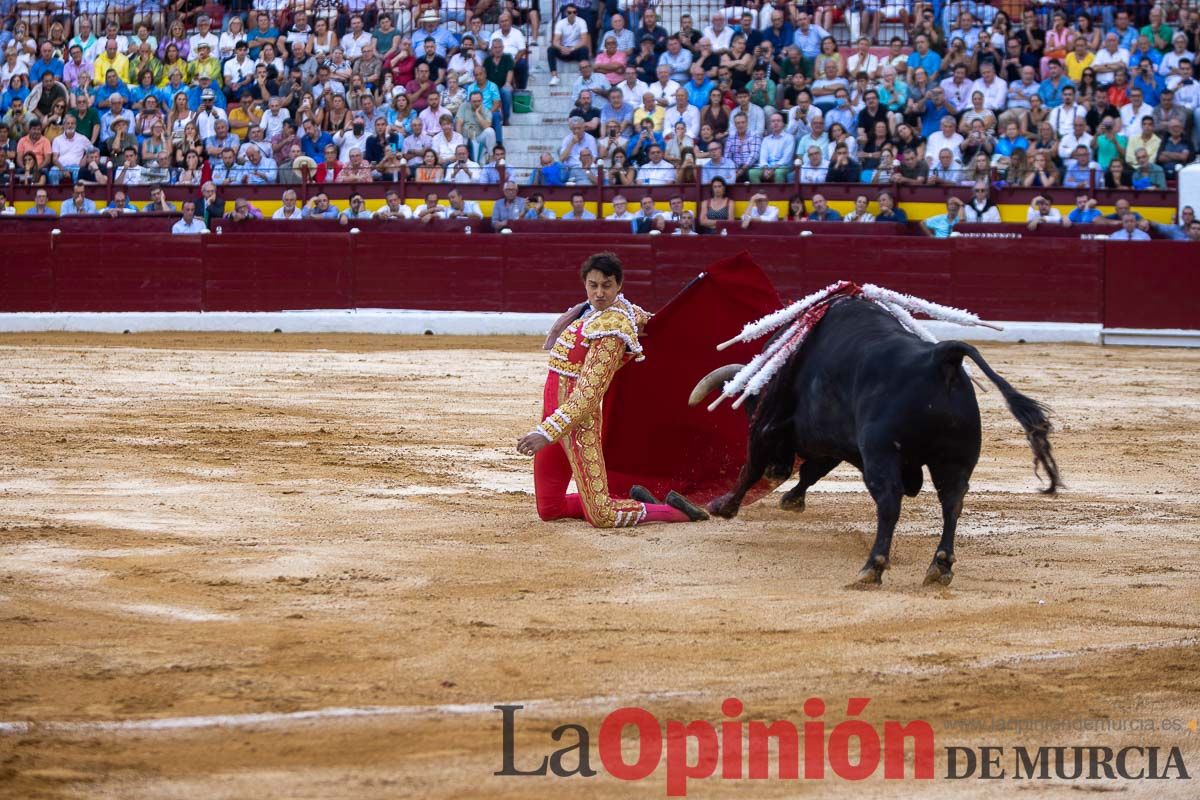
{"x": 1032, "y": 415}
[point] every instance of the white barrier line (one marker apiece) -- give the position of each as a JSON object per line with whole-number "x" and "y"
{"x": 20, "y": 728}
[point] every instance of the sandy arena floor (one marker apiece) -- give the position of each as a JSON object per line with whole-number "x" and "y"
{"x": 211, "y": 525}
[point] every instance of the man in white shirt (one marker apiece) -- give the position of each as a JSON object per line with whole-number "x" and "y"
{"x": 1110, "y": 58}
{"x": 759, "y": 211}
{"x": 657, "y": 171}
{"x": 353, "y": 139}
{"x": 1077, "y": 137}
{"x": 1042, "y": 213}
{"x": 289, "y": 210}
{"x": 664, "y": 88}
{"x": 718, "y": 33}
{"x": 814, "y": 169}
{"x": 203, "y": 33}
{"x": 863, "y": 60}
{"x": 273, "y": 118}
{"x": 1062, "y": 119}
{"x": 570, "y": 42}
{"x": 238, "y": 72}
{"x": 631, "y": 88}
{"x": 621, "y": 211}
{"x": 993, "y": 89}
{"x": 1133, "y": 111}
{"x": 689, "y": 115}
{"x": 189, "y": 224}
{"x": 393, "y": 208}
{"x": 462, "y": 169}
{"x": 945, "y": 138}
{"x": 461, "y": 208}
{"x": 355, "y": 39}
{"x": 958, "y": 89}
{"x": 430, "y": 209}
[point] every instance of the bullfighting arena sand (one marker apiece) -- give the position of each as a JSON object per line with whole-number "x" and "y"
{"x": 198, "y": 529}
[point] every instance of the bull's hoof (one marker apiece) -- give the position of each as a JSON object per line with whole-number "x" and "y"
{"x": 792, "y": 502}
{"x": 872, "y": 573}
{"x": 723, "y": 507}
{"x": 940, "y": 570}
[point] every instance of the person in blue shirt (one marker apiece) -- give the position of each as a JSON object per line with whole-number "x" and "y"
{"x": 1085, "y": 211}
{"x": 924, "y": 58}
{"x": 41, "y": 206}
{"x": 1052, "y": 88}
{"x": 808, "y": 37}
{"x": 1148, "y": 80}
{"x": 46, "y": 63}
{"x": 1010, "y": 141}
{"x": 821, "y": 212}
{"x": 697, "y": 88}
{"x": 888, "y": 211}
{"x": 320, "y": 208}
{"x": 78, "y": 202}
{"x": 263, "y": 33}
{"x": 941, "y": 226}
{"x": 442, "y": 37}
{"x": 781, "y": 34}
{"x": 549, "y": 173}
{"x": 314, "y": 141}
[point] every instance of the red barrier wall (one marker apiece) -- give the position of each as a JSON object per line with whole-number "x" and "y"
{"x": 1138, "y": 285}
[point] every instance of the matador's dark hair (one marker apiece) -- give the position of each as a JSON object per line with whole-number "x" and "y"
{"x": 606, "y": 263}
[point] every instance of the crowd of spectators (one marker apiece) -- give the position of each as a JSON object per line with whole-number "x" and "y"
{"x": 1075, "y": 95}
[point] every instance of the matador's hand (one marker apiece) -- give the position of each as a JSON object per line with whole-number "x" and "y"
{"x": 531, "y": 442}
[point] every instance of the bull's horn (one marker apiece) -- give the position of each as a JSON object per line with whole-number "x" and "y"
{"x": 713, "y": 380}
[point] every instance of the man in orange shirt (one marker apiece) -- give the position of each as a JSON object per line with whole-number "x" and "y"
{"x": 34, "y": 142}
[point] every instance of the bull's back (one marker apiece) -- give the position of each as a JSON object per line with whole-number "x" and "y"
{"x": 862, "y": 377}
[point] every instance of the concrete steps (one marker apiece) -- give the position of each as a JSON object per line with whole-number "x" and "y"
{"x": 527, "y": 136}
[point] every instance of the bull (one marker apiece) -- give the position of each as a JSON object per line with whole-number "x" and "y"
{"x": 865, "y": 390}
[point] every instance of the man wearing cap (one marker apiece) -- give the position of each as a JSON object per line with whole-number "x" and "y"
{"x": 209, "y": 114}
{"x": 443, "y": 39}
{"x": 116, "y": 110}
{"x": 206, "y": 64}
{"x": 110, "y": 58}
{"x": 203, "y": 35}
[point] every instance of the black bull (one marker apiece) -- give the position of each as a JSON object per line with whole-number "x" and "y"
{"x": 863, "y": 389}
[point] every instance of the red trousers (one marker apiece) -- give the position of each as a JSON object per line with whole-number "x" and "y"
{"x": 580, "y": 455}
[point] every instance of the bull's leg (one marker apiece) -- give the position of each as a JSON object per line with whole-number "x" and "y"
{"x": 881, "y": 472}
{"x": 760, "y": 454}
{"x": 952, "y": 481}
{"x": 811, "y": 471}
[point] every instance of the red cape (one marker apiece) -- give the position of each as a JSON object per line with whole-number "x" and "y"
{"x": 651, "y": 435}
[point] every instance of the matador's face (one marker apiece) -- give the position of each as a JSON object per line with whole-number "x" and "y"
{"x": 602, "y": 290}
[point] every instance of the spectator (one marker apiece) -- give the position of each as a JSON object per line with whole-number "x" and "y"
{"x": 570, "y": 41}
{"x": 742, "y": 147}
{"x": 888, "y": 212}
{"x": 578, "y": 209}
{"x": 814, "y": 169}
{"x": 78, "y": 202}
{"x": 536, "y": 208}
{"x": 942, "y": 225}
{"x": 621, "y": 212}
{"x": 1041, "y": 212}
{"x": 320, "y": 208}
{"x": 1085, "y": 211}
{"x": 158, "y": 202}
{"x": 242, "y": 211}
{"x": 1146, "y": 140}
{"x": 686, "y": 225}
{"x": 474, "y": 122}
{"x": 495, "y": 170}
{"x": 585, "y": 173}
{"x": 1081, "y": 171}
{"x": 657, "y": 171}
{"x": 981, "y": 208}
{"x": 1129, "y": 231}
{"x": 647, "y": 218}
{"x": 509, "y": 207}
{"x": 461, "y": 208}
{"x": 1146, "y": 173}
{"x": 821, "y": 212}
{"x": 189, "y": 223}
{"x": 622, "y": 172}
{"x": 462, "y": 169}
{"x": 393, "y": 208}
{"x": 446, "y": 141}
{"x": 357, "y": 170}
{"x": 860, "y": 212}
{"x": 1174, "y": 153}
{"x": 289, "y": 210}
{"x": 717, "y": 166}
